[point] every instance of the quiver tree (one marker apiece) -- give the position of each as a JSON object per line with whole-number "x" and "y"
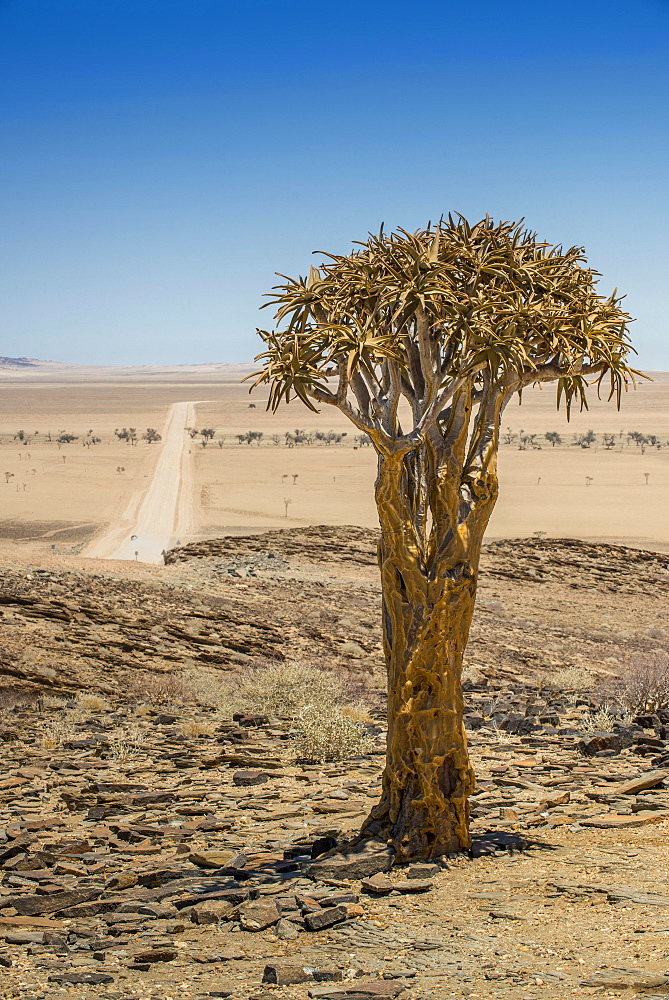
{"x": 421, "y": 339}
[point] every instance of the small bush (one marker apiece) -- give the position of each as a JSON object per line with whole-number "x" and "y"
{"x": 604, "y": 720}
{"x": 283, "y": 689}
{"x": 643, "y": 683}
{"x": 267, "y": 688}
{"x": 328, "y": 733}
{"x": 57, "y": 732}
{"x": 192, "y": 730}
{"x": 15, "y": 697}
{"x": 51, "y": 701}
{"x": 92, "y": 703}
{"x": 572, "y": 679}
{"x": 162, "y": 689}
{"x": 124, "y": 744}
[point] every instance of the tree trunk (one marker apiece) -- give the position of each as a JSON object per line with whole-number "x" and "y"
{"x": 428, "y": 601}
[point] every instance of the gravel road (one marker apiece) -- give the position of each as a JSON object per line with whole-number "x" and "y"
{"x": 156, "y": 517}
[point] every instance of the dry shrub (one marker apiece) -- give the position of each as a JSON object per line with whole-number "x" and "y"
{"x": 572, "y": 679}
{"x": 283, "y": 689}
{"x": 192, "y": 730}
{"x": 16, "y": 697}
{"x": 52, "y": 701}
{"x": 267, "y": 688}
{"x": 358, "y": 713}
{"x": 326, "y": 728}
{"x": 211, "y": 689}
{"x": 327, "y": 733}
{"x": 604, "y": 720}
{"x": 473, "y": 673}
{"x": 643, "y": 683}
{"x": 58, "y": 731}
{"x": 92, "y": 703}
{"x": 162, "y": 689}
{"x": 125, "y": 743}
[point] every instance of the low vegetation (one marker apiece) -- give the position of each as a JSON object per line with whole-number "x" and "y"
{"x": 326, "y": 723}
{"x": 642, "y": 686}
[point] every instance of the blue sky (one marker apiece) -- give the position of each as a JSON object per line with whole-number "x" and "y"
{"x": 159, "y": 161}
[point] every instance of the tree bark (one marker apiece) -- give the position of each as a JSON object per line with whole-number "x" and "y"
{"x": 429, "y": 589}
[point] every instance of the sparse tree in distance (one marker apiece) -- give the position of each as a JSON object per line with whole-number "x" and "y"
{"x": 585, "y": 440}
{"x": 151, "y": 435}
{"x": 127, "y": 434}
{"x": 421, "y": 339}
{"x": 553, "y": 437}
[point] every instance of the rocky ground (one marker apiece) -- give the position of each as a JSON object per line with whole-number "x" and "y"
{"x": 151, "y": 847}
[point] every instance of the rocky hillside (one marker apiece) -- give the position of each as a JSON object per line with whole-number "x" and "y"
{"x": 153, "y": 846}
{"x": 314, "y": 594}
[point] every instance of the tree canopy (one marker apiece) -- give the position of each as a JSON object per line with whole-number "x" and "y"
{"x": 416, "y": 316}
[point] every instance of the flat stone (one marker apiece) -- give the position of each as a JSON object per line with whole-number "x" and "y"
{"x": 287, "y": 975}
{"x": 616, "y": 979}
{"x": 358, "y": 991}
{"x": 327, "y": 917}
{"x": 649, "y": 779}
{"x": 32, "y": 905}
{"x": 212, "y": 912}
{"x": 377, "y": 885}
{"x": 211, "y": 859}
{"x": 249, "y": 777}
{"x": 604, "y": 741}
{"x": 369, "y": 858}
{"x": 21, "y": 921}
{"x": 23, "y": 937}
{"x": 154, "y": 955}
{"x": 92, "y": 908}
{"x": 613, "y": 821}
{"x": 80, "y": 978}
{"x": 423, "y": 871}
{"x": 623, "y": 894}
{"x": 413, "y": 885}
{"x": 125, "y": 880}
{"x": 257, "y": 916}
{"x": 286, "y": 930}
{"x": 504, "y": 915}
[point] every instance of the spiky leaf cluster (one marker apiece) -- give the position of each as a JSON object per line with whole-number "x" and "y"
{"x": 418, "y": 315}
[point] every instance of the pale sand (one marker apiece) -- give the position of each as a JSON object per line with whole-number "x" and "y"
{"x": 241, "y": 487}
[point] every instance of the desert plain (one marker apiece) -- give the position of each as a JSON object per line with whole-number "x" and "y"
{"x": 152, "y": 846}
{"x": 71, "y": 497}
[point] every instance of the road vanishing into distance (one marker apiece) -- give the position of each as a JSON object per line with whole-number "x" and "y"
{"x": 158, "y": 515}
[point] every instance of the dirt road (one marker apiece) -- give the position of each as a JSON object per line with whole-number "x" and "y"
{"x": 162, "y": 513}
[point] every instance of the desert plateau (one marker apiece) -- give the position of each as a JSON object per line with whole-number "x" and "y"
{"x": 294, "y": 468}
{"x": 192, "y": 704}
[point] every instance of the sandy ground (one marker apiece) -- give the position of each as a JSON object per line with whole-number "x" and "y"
{"x": 75, "y": 498}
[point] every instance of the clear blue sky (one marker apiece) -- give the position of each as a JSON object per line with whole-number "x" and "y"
{"x": 160, "y": 160}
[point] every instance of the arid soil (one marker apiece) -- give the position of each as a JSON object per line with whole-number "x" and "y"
{"x": 151, "y": 847}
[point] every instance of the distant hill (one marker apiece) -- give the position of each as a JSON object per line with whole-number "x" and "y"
{"x": 33, "y": 369}
{"x": 19, "y": 362}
